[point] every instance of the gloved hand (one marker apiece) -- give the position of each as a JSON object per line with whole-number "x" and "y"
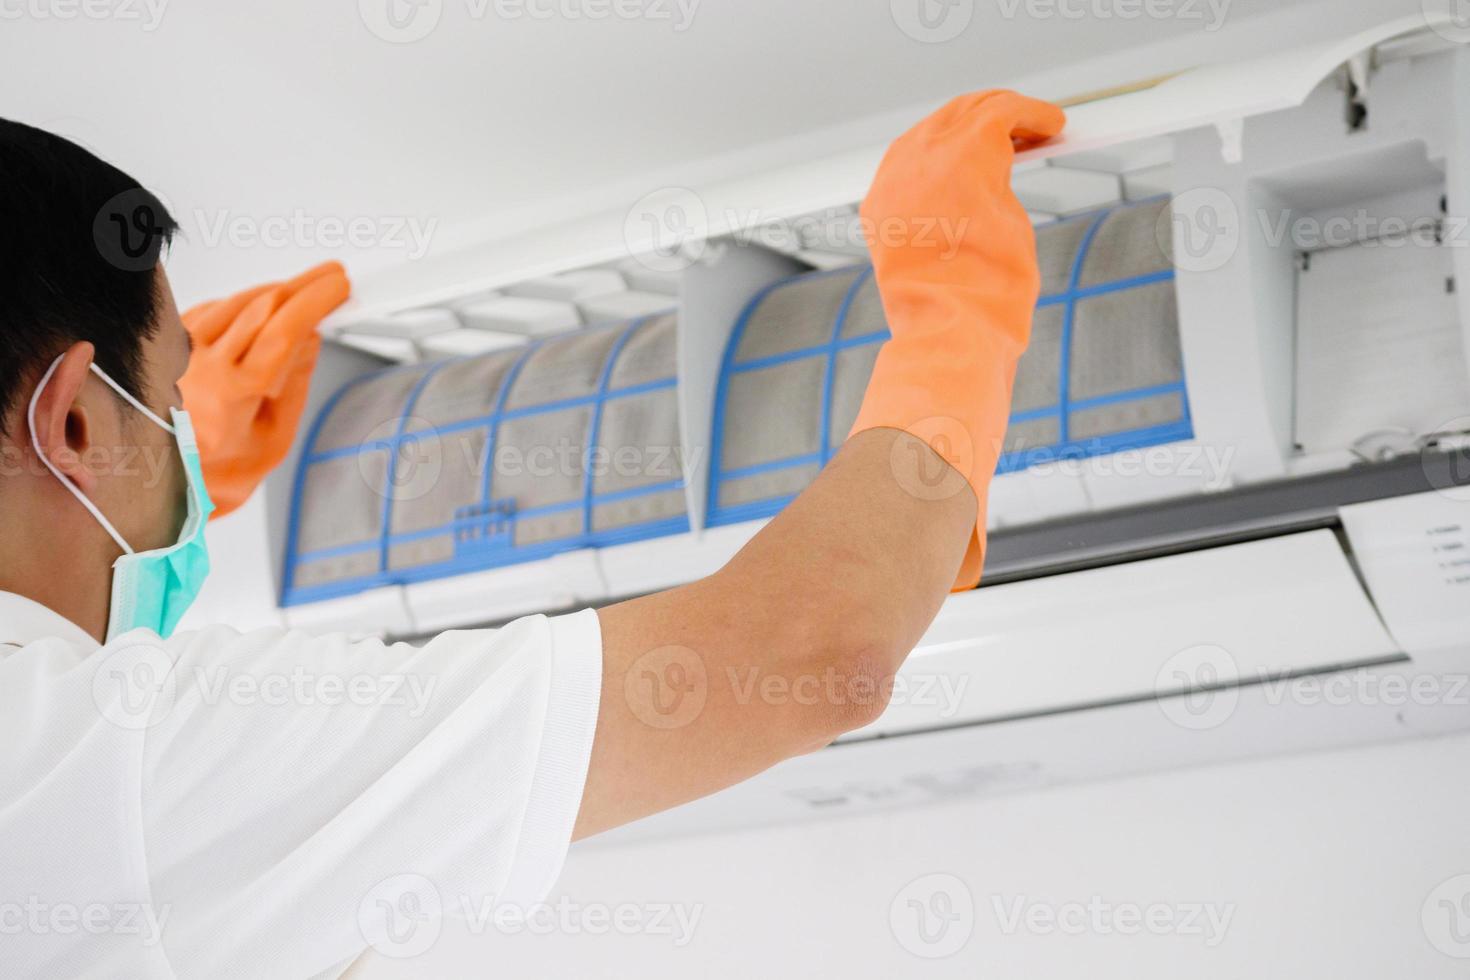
{"x": 246, "y": 383}
{"x": 960, "y": 316}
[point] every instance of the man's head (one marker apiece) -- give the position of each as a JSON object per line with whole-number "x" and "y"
{"x": 81, "y": 280}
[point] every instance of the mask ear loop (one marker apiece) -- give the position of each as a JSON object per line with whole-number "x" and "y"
{"x": 123, "y": 393}
{"x": 66, "y": 481}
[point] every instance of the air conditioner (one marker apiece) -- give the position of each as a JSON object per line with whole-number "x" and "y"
{"x": 1291, "y": 616}
{"x": 1233, "y": 515}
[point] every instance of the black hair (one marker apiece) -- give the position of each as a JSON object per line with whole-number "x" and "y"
{"x": 79, "y": 245}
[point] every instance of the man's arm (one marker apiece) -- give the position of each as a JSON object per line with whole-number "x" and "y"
{"x": 796, "y": 640}
{"x": 788, "y": 646}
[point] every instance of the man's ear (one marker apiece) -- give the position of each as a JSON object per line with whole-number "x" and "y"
{"x": 63, "y": 426}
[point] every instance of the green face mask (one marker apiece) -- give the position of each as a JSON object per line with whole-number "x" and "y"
{"x": 150, "y": 589}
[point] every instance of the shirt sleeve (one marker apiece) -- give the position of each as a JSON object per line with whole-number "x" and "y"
{"x": 306, "y": 797}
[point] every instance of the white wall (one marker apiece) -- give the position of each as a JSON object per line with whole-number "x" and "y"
{"x": 1324, "y": 863}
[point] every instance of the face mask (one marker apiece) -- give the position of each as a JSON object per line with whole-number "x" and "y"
{"x": 150, "y": 589}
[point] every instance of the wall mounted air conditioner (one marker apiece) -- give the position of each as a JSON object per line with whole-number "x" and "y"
{"x": 1235, "y": 465}
{"x": 1291, "y": 616}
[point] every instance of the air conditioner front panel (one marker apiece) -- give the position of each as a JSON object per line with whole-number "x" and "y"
{"x": 1242, "y": 613}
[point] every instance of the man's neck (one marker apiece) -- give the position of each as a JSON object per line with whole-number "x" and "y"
{"x": 56, "y": 559}
{"x": 92, "y": 621}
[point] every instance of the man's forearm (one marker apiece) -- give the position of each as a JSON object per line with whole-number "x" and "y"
{"x": 865, "y": 556}
{"x": 789, "y": 645}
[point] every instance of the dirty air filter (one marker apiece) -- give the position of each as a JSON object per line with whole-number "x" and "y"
{"x": 394, "y": 486}
{"x": 1103, "y": 372}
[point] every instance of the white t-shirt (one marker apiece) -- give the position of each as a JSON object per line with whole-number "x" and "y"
{"x": 272, "y": 804}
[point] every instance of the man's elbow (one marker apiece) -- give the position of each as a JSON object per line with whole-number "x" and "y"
{"x": 834, "y": 664}
{"x": 850, "y": 687}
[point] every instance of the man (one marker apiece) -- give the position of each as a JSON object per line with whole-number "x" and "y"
{"x": 161, "y": 814}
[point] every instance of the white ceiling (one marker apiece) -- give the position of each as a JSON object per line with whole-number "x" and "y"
{"x": 277, "y": 108}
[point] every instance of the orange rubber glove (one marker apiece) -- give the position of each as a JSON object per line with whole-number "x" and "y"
{"x": 959, "y": 301}
{"x": 248, "y": 376}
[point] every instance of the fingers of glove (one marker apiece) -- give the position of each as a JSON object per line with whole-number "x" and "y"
{"x": 294, "y": 372}
{"x": 974, "y": 135}
{"x": 319, "y": 271}
{"x": 1009, "y": 123}
{"x": 250, "y": 322}
{"x": 209, "y": 321}
{"x": 983, "y": 114}
{"x": 294, "y": 325}
{"x": 1005, "y": 123}
{"x": 247, "y": 312}
{"x": 1020, "y": 117}
{"x": 953, "y": 112}
{"x": 197, "y": 315}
